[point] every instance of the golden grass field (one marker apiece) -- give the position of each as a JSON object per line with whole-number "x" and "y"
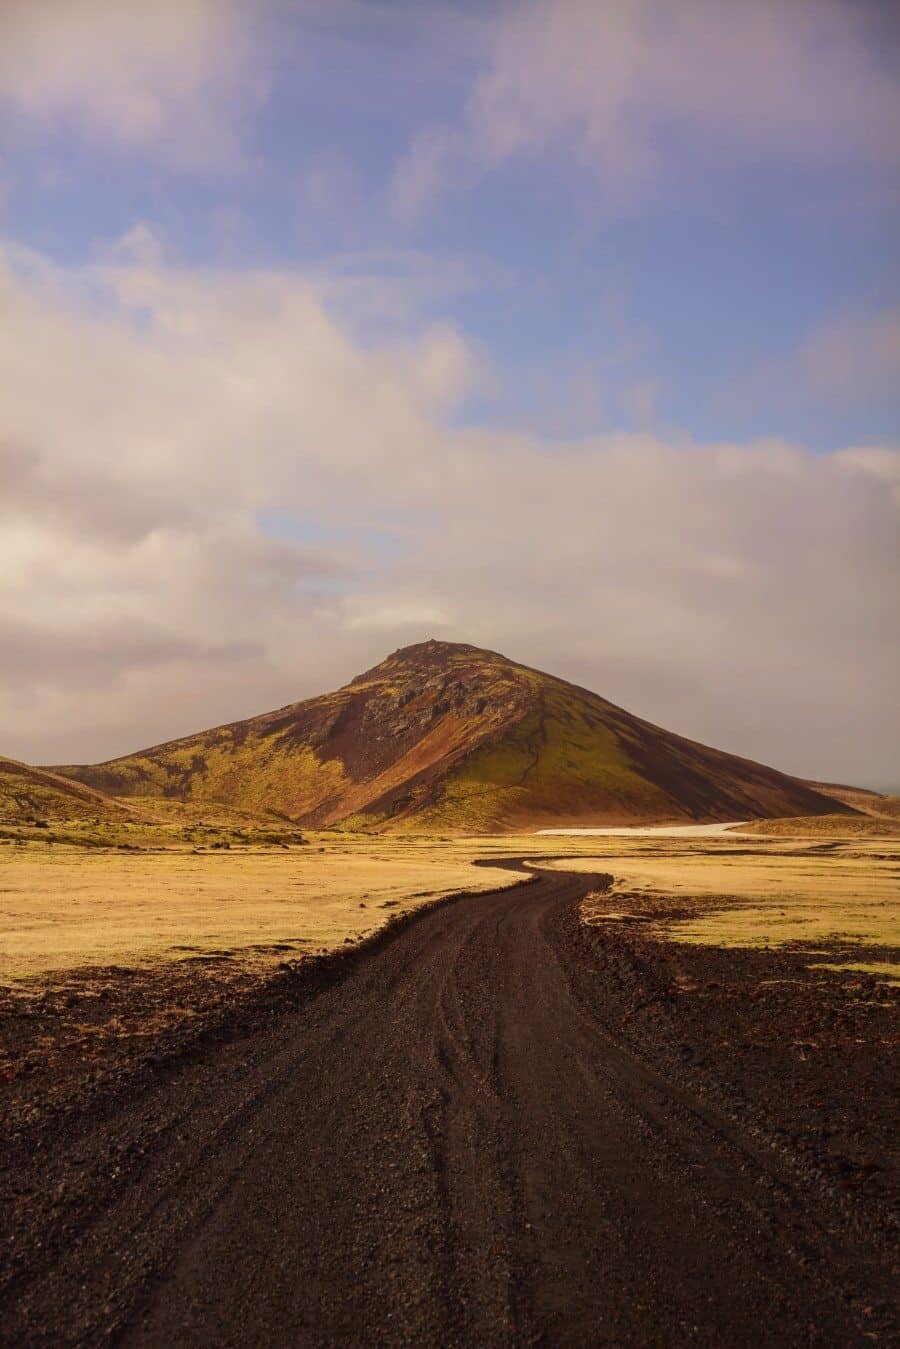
{"x": 64, "y": 907}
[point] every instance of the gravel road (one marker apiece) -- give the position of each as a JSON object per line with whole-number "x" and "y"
{"x": 451, "y": 1145}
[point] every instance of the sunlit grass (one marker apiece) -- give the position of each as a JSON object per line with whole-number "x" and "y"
{"x": 879, "y": 968}
{"x": 65, "y": 907}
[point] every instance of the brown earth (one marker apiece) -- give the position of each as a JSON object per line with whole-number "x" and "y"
{"x": 448, "y": 737}
{"x": 493, "y": 1125}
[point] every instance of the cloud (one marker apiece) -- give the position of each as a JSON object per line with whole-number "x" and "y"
{"x": 848, "y": 364}
{"x": 620, "y": 85}
{"x": 852, "y": 358}
{"x": 329, "y": 186}
{"x": 157, "y": 417}
{"x": 170, "y": 79}
{"x": 378, "y": 291}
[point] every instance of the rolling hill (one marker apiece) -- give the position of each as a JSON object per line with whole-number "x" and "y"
{"x": 861, "y": 799}
{"x": 445, "y": 736}
{"x": 30, "y": 795}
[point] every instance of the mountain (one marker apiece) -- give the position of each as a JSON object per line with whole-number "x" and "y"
{"x": 443, "y": 736}
{"x": 37, "y": 794}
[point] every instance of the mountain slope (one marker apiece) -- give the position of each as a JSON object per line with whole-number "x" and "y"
{"x": 447, "y": 736}
{"x": 28, "y": 794}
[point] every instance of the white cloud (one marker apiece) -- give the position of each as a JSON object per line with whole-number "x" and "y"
{"x": 844, "y": 365}
{"x": 616, "y": 83}
{"x": 168, "y": 78}
{"x": 380, "y": 613}
{"x": 155, "y": 418}
{"x": 852, "y": 358}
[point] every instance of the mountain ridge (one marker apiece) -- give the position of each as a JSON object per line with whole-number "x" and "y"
{"x": 449, "y": 736}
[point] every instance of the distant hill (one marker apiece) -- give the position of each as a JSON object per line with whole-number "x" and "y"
{"x": 37, "y": 794}
{"x": 827, "y": 826}
{"x": 860, "y": 798}
{"x": 444, "y": 736}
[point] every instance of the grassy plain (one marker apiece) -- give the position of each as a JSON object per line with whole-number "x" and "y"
{"x": 63, "y": 906}
{"x": 74, "y": 897}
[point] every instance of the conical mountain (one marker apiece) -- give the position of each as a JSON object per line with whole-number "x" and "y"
{"x": 445, "y": 736}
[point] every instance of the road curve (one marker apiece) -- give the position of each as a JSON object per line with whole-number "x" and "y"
{"x": 448, "y": 1147}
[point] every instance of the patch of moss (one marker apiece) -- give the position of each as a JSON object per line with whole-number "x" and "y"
{"x": 877, "y": 968}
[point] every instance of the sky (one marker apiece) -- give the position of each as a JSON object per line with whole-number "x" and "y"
{"x": 570, "y": 328}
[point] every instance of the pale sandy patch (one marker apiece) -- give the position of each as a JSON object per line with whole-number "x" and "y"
{"x": 650, "y": 830}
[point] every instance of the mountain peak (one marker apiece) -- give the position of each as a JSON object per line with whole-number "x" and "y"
{"x": 432, "y": 646}
{"x": 432, "y": 654}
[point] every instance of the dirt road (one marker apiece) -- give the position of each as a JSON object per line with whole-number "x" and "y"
{"x": 450, "y": 1146}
